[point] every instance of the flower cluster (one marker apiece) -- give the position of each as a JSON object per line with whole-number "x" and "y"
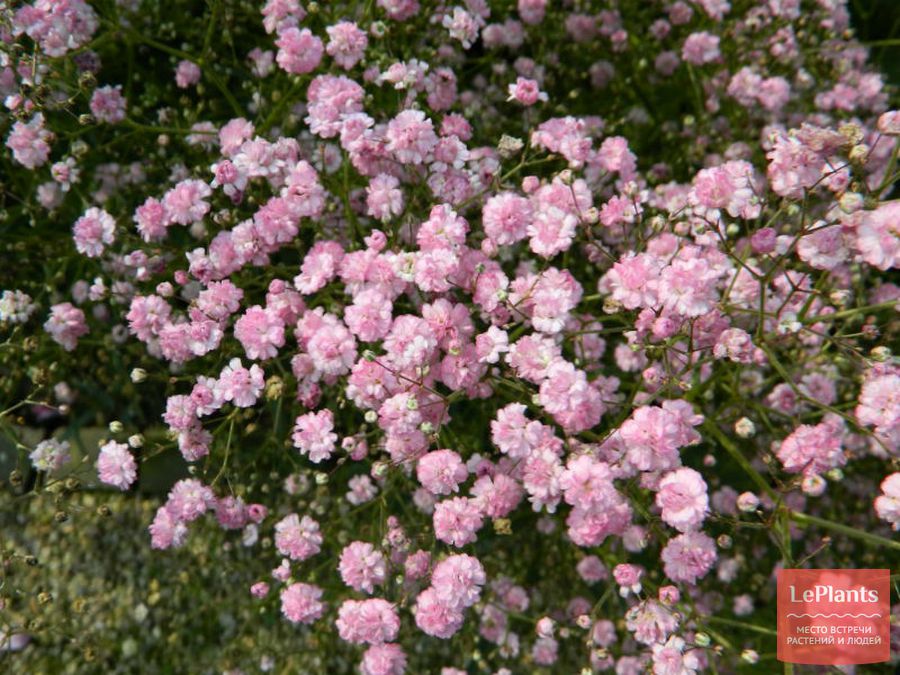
{"x": 457, "y": 318}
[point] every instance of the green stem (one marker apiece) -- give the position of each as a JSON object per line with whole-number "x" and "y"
{"x": 852, "y": 532}
{"x": 741, "y": 624}
{"x": 739, "y": 457}
{"x": 853, "y": 311}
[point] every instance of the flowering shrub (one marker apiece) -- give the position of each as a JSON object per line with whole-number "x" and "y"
{"x": 461, "y": 338}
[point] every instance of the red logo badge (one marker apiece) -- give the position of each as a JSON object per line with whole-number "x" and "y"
{"x": 834, "y": 617}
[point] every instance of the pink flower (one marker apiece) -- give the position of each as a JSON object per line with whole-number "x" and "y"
{"x": 688, "y": 557}
{"x": 552, "y": 296}
{"x": 457, "y": 580}
{"x": 887, "y": 504}
{"x": 299, "y": 51}
{"x": 410, "y": 342}
{"x": 50, "y": 455}
{"x": 30, "y": 142}
{"x": 683, "y": 499}
{"x": 889, "y": 123}
{"x": 189, "y": 499}
{"x": 813, "y": 450}
{"x": 327, "y": 341}
{"x": 824, "y": 249}
{"x": 634, "y": 280}
{"x": 441, "y": 472}
{"x": 108, "y": 104}
{"x": 65, "y": 325}
{"x": 506, "y": 217}
{"x": 240, "y": 385}
{"x": 320, "y": 265}
{"x": 532, "y": 355}
{"x": 687, "y": 287}
{"x": 184, "y": 204}
{"x": 497, "y": 495}
{"x": 587, "y": 483}
{"x": 147, "y": 315}
{"x": 532, "y": 11}
{"x": 437, "y": 617}
{"x": 433, "y": 270}
{"x": 734, "y": 344}
{"x": 732, "y": 186}
{"x": 220, "y": 300}
{"x": 410, "y": 137}
{"x": 569, "y": 397}
{"x": 672, "y": 659}
{"x": 150, "y": 219}
{"x": 491, "y": 344}
{"x": 297, "y": 538}
{"x": 652, "y": 437}
{"x": 116, "y": 465}
{"x": 313, "y": 435}
{"x": 58, "y": 26}
{"x": 879, "y": 404}
{"x": 167, "y": 530}
{"x": 362, "y": 567}
{"x": 614, "y": 155}
{"x": 700, "y": 48}
{"x": 383, "y": 659}
{"x": 878, "y": 236}
{"x": 650, "y": 622}
{"x": 347, "y": 44}
{"x": 93, "y": 231}
{"x": 462, "y": 26}
{"x": 187, "y": 73}
{"x": 370, "y": 316}
{"x": 399, "y": 10}
{"x": 300, "y": 603}
{"x": 330, "y": 99}
{"x": 260, "y": 589}
{"x": 384, "y": 199}
{"x": 774, "y": 93}
{"x": 260, "y": 332}
{"x": 372, "y": 621}
{"x": 525, "y": 91}
{"x": 233, "y": 134}
{"x": 551, "y": 231}
{"x": 793, "y": 166}
{"x": 457, "y": 520}
{"x": 591, "y": 569}
{"x": 544, "y": 651}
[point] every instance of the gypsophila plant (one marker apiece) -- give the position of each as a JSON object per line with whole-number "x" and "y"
{"x": 439, "y": 337}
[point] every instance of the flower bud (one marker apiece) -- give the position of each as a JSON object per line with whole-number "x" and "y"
{"x": 509, "y": 146}
{"x": 116, "y": 427}
{"x": 750, "y": 656}
{"x": 747, "y": 502}
{"x": 859, "y": 153}
{"x": 138, "y": 375}
{"x": 881, "y": 354}
{"x": 814, "y": 486}
{"x": 744, "y": 427}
